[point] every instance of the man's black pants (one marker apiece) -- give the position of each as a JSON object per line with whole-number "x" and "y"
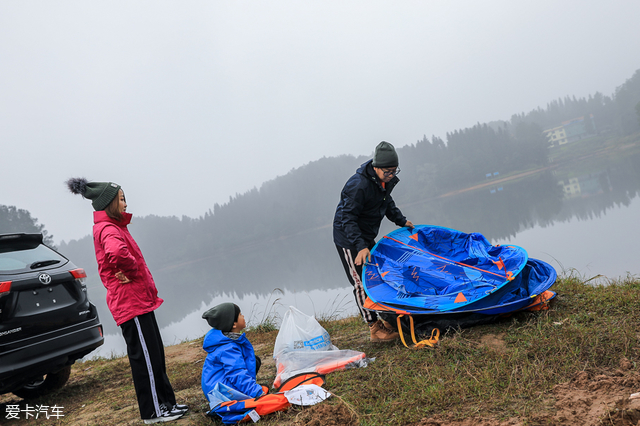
{"x": 354, "y": 273}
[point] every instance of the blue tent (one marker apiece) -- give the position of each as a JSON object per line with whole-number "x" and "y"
{"x": 433, "y": 270}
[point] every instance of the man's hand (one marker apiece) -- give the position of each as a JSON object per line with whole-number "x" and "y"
{"x": 409, "y": 224}
{"x": 364, "y": 255}
{"x": 123, "y": 279}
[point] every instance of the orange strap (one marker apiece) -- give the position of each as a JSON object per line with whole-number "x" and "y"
{"x": 431, "y": 342}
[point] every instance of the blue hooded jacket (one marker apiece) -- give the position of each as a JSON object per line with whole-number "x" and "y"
{"x": 231, "y": 362}
{"x": 363, "y": 204}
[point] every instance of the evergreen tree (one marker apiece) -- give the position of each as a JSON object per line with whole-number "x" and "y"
{"x": 14, "y": 220}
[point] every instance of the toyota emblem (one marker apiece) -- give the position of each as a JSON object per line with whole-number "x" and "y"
{"x": 45, "y": 279}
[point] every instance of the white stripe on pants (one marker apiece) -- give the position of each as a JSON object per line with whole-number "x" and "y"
{"x": 354, "y": 273}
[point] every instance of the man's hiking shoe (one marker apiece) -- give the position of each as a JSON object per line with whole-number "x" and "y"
{"x": 380, "y": 333}
{"x": 165, "y": 416}
{"x": 389, "y": 326}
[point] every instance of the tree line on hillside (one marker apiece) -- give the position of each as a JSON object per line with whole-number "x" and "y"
{"x": 505, "y": 146}
{"x": 472, "y": 153}
{"x": 618, "y": 114}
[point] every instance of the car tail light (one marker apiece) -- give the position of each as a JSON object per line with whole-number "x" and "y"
{"x": 5, "y": 288}
{"x": 79, "y": 274}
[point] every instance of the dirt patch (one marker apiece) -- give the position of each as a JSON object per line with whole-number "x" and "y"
{"x": 190, "y": 352}
{"x": 326, "y": 415}
{"x": 595, "y": 400}
{"x": 589, "y": 399}
{"x": 443, "y": 421}
{"x": 494, "y": 341}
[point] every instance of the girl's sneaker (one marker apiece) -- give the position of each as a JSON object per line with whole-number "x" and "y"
{"x": 180, "y": 407}
{"x": 165, "y": 416}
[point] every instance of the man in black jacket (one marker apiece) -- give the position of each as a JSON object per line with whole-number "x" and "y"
{"x": 365, "y": 200}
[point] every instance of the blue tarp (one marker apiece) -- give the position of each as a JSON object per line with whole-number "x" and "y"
{"x": 436, "y": 270}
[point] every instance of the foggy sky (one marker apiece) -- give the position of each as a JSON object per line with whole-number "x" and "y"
{"x": 187, "y": 103}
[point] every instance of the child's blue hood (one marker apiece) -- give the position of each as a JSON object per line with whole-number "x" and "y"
{"x": 215, "y": 338}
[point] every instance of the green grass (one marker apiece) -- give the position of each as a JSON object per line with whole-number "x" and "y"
{"x": 588, "y": 328}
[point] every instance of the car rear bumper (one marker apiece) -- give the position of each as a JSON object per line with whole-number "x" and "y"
{"x": 46, "y": 353}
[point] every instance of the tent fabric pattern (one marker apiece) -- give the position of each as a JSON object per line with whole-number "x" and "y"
{"x": 533, "y": 282}
{"x": 433, "y": 269}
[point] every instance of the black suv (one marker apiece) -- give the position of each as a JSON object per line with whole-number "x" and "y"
{"x": 46, "y": 319}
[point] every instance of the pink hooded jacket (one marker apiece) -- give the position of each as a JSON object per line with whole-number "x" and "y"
{"x": 117, "y": 251}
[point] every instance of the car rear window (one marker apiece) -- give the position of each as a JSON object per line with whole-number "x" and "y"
{"x": 29, "y": 259}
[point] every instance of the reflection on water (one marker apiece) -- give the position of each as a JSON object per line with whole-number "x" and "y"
{"x": 603, "y": 245}
{"x": 595, "y": 230}
{"x": 587, "y": 185}
{"x": 330, "y": 304}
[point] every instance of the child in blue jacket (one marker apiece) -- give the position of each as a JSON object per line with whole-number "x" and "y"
{"x": 231, "y": 359}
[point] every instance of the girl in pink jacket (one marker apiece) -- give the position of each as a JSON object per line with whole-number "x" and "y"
{"x": 131, "y": 297}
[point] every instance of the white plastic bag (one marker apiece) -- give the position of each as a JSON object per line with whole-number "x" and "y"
{"x": 303, "y": 346}
{"x": 301, "y": 332}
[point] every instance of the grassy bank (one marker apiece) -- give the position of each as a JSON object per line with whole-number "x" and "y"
{"x": 506, "y": 370}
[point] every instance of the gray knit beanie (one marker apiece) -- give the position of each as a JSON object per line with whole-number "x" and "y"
{"x": 100, "y": 193}
{"x": 385, "y": 155}
{"x": 222, "y": 316}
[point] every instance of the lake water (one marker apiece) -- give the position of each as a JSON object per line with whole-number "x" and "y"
{"x": 605, "y": 246}
{"x": 329, "y": 304}
{"x": 581, "y": 217}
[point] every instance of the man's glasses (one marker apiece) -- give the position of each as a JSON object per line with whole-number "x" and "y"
{"x": 394, "y": 172}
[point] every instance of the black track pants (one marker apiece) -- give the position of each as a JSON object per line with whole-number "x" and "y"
{"x": 148, "y": 368}
{"x": 354, "y": 273}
